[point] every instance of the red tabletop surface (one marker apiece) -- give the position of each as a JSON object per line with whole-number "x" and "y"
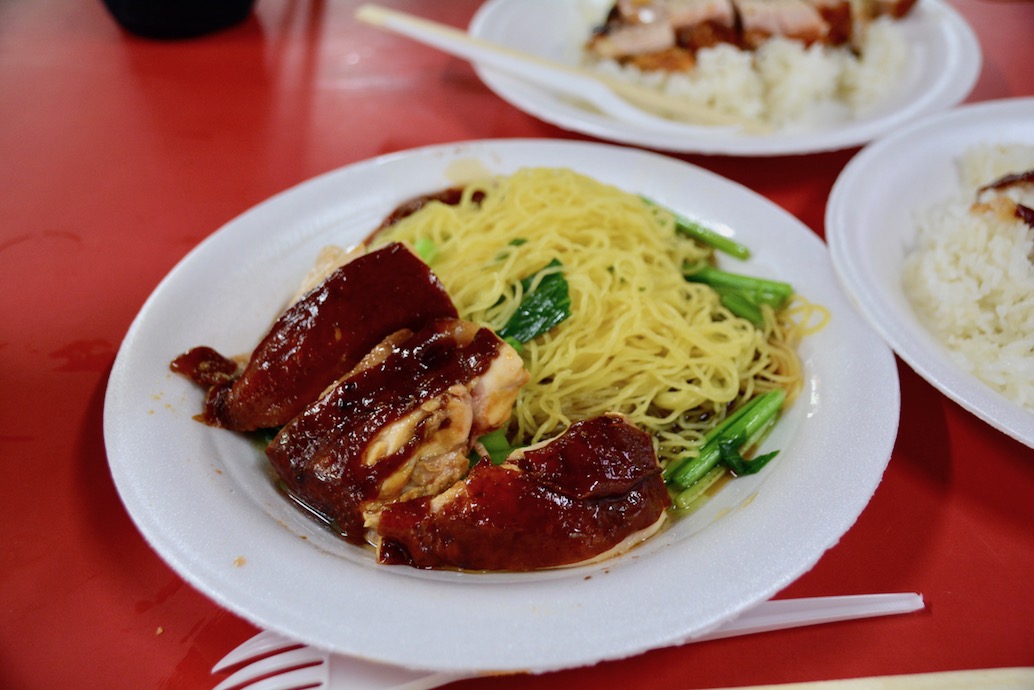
{"x": 119, "y": 154}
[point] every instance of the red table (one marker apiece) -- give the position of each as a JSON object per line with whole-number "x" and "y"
{"x": 119, "y": 154}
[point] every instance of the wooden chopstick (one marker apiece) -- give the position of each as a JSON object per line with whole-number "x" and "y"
{"x": 650, "y": 100}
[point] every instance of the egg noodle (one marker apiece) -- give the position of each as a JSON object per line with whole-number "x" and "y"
{"x": 640, "y": 340}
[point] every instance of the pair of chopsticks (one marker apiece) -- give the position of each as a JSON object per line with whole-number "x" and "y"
{"x": 635, "y": 103}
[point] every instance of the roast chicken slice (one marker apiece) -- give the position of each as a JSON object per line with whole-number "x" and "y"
{"x": 399, "y": 426}
{"x": 594, "y": 488}
{"x": 318, "y": 339}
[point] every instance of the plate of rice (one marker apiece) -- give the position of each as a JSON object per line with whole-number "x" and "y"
{"x": 931, "y": 234}
{"x": 797, "y": 98}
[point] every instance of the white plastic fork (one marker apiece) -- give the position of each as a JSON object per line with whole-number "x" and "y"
{"x": 279, "y": 663}
{"x": 274, "y": 662}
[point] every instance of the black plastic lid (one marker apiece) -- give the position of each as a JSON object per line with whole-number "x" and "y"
{"x": 177, "y": 18}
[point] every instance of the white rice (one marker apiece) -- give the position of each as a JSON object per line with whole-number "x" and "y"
{"x": 970, "y": 277}
{"x": 785, "y": 83}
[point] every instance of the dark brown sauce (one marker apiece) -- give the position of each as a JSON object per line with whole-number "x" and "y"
{"x": 204, "y": 366}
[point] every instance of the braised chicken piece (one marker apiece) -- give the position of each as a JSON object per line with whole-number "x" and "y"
{"x": 591, "y": 491}
{"x": 318, "y": 339}
{"x": 400, "y": 425}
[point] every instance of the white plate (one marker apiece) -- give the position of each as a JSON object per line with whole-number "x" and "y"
{"x": 204, "y": 499}
{"x": 870, "y": 227}
{"x": 943, "y": 65}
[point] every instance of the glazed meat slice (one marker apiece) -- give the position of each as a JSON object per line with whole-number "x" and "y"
{"x": 760, "y": 20}
{"x": 664, "y": 34}
{"x": 703, "y": 23}
{"x": 885, "y": 8}
{"x": 990, "y": 197}
{"x": 400, "y": 426}
{"x": 592, "y": 490}
{"x": 634, "y": 27}
{"x": 320, "y": 338}
{"x": 839, "y": 18}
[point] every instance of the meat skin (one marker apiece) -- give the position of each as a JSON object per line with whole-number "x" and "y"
{"x": 397, "y": 429}
{"x": 325, "y": 334}
{"x": 556, "y": 504}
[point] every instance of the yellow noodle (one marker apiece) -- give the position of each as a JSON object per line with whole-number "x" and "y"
{"x": 641, "y": 340}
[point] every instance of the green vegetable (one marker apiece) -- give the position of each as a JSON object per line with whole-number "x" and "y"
{"x": 740, "y": 466}
{"x": 265, "y": 436}
{"x": 541, "y": 309}
{"x": 686, "y": 498}
{"x": 514, "y": 343}
{"x": 742, "y": 295}
{"x": 706, "y": 235}
{"x": 516, "y": 242}
{"x": 758, "y": 290}
{"x": 497, "y": 446}
{"x": 741, "y": 305}
{"x": 425, "y": 249}
{"x": 742, "y": 429}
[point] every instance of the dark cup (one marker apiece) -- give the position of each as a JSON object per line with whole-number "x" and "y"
{"x": 177, "y": 18}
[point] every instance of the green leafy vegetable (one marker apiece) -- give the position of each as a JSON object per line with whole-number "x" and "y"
{"x": 686, "y": 498}
{"x": 741, "y": 294}
{"x": 741, "y": 305}
{"x": 758, "y": 290}
{"x": 740, "y": 466}
{"x": 496, "y": 445}
{"x": 425, "y": 249}
{"x": 706, "y": 235}
{"x": 514, "y": 343}
{"x": 541, "y": 309}
{"x": 265, "y": 436}
{"x": 741, "y": 430}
